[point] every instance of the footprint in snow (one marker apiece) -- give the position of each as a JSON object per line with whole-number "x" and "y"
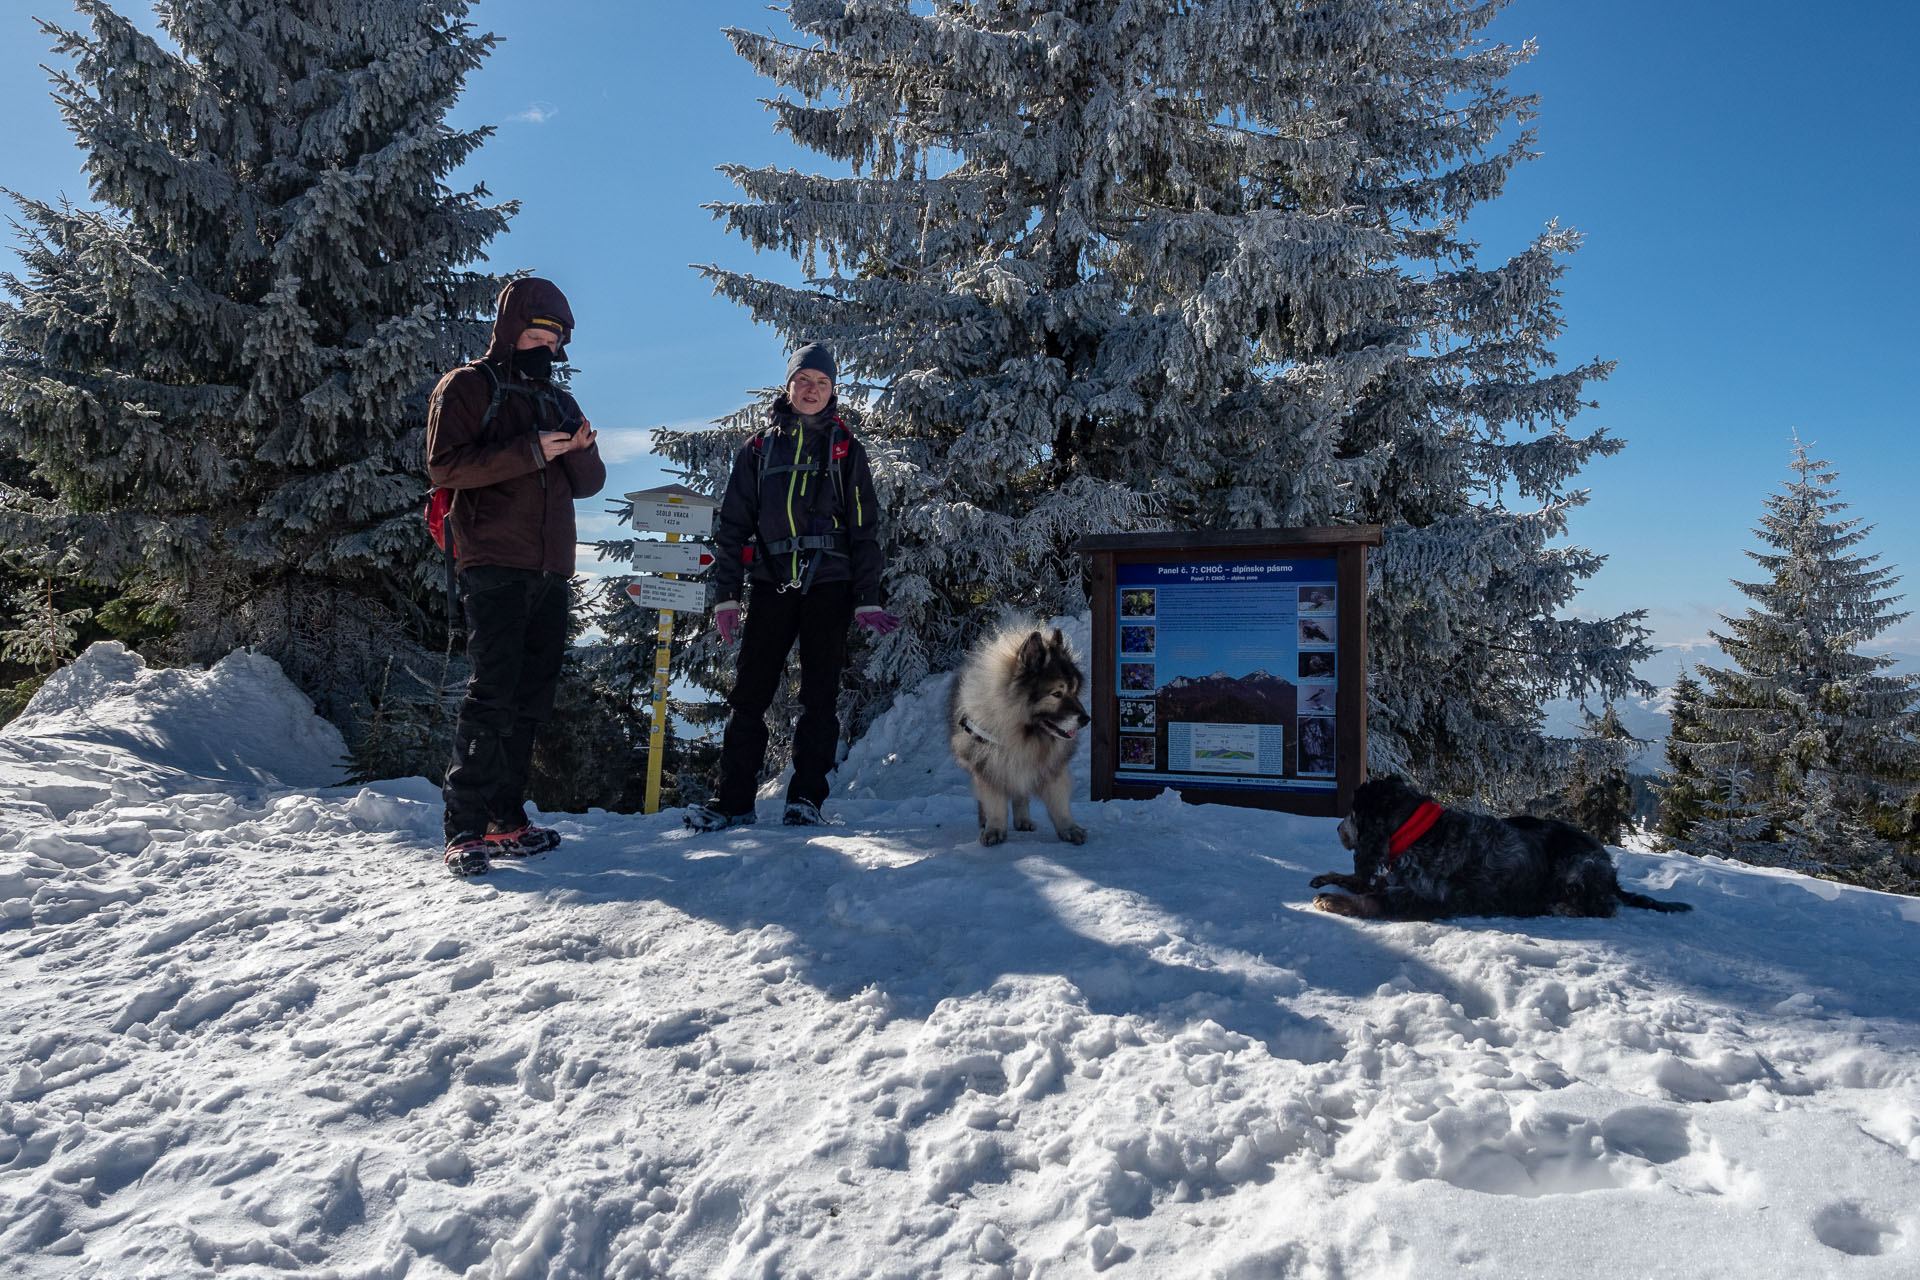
{"x": 1848, "y": 1228}
{"x": 1655, "y": 1134}
{"x": 679, "y": 1028}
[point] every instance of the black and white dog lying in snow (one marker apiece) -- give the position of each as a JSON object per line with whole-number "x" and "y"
{"x": 1414, "y": 860}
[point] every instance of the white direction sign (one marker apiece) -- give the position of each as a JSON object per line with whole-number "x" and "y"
{"x": 672, "y": 508}
{"x": 672, "y": 557}
{"x": 672, "y": 517}
{"x": 669, "y": 593}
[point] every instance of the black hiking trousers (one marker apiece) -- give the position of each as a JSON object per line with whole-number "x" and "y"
{"x": 516, "y": 638}
{"x": 819, "y": 619}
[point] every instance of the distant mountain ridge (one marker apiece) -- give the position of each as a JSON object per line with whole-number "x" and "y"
{"x": 1257, "y": 698}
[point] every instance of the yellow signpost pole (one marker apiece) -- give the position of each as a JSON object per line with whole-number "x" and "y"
{"x": 657, "y": 739}
{"x": 673, "y": 510}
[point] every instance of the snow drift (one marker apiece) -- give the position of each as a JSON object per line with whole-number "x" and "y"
{"x": 250, "y": 1026}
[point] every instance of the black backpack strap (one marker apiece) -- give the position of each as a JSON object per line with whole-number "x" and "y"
{"x": 553, "y": 404}
{"x": 496, "y": 395}
{"x": 824, "y": 542}
{"x": 839, "y": 464}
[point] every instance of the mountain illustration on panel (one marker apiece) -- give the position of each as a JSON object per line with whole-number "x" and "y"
{"x": 1257, "y": 698}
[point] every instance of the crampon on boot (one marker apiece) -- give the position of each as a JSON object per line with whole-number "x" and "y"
{"x": 522, "y": 841}
{"x": 702, "y": 817}
{"x": 803, "y": 813}
{"x": 467, "y": 856}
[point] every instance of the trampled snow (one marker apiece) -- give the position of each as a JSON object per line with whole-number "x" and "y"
{"x": 250, "y": 1026}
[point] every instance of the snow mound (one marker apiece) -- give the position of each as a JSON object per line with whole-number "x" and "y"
{"x": 904, "y": 754}
{"x": 109, "y": 727}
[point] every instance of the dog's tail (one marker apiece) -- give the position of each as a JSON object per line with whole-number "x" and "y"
{"x": 1652, "y": 904}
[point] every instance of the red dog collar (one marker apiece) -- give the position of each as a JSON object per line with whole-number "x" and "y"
{"x": 1413, "y": 828}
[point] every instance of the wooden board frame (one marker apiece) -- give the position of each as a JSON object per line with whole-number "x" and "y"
{"x": 1345, "y": 545}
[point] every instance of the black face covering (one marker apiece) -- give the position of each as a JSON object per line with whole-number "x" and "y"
{"x": 534, "y": 363}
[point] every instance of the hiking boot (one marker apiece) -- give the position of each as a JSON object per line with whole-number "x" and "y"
{"x": 702, "y": 817}
{"x": 522, "y": 841}
{"x": 467, "y": 855}
{"x": 803, "y": 813}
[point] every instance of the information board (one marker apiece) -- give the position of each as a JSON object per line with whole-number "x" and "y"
{"x": 1231, "y": 666}
{"x": 1227, "y": 673}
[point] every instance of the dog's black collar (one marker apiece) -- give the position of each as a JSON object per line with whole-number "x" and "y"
{"x": 975, "y": 734}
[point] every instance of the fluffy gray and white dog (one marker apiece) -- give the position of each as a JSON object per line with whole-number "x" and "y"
{"x": 1415, "y": 860}
{"x": 1013, "y": 719}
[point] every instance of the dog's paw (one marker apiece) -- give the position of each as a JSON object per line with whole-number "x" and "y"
{"x": 1023, "y": 824}
{"x": 1075, "y": 834}
{"x": 991, "y": 836}
{"x": 1319, "y": 882}
{"x": 1338, "y": 904}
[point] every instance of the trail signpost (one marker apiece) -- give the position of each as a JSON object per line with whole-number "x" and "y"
{"x": 676, "y": 511}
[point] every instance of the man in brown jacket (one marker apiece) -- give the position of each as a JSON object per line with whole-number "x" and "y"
{"x": 516, "y": 451}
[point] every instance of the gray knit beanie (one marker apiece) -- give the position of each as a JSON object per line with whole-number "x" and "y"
{"x": 815, "y": 356}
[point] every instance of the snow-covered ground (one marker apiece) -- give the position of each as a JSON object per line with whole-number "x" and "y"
{"x": 251, "y": 1027}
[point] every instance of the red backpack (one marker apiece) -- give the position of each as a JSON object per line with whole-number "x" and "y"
{"x": 439, "y": 503}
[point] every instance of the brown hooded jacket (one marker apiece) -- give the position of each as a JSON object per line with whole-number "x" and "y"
{"x": 510, "y": 505}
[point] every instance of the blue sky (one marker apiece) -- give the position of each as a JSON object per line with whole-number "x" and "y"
{"x": 1745, "y": 171}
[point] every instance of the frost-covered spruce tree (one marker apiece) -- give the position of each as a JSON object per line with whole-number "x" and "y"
{"x": 1599, "y": 794}
{"x": 218, "y": 370}
{"x": 1682, "y": 789}
{"x": 43, "y": 632}
{"x": 1105, "y": 266}
{"x": 1830, "y": 736}
{"x": 1733, "y": 820}
{"x": 49, "y": 612}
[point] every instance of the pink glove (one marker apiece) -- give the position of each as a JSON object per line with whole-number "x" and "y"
{"x": 875, "y": 619}
{"x": 726, "y": 618}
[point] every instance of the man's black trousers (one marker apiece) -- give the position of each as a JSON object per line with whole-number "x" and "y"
{"x": 516, "y": 637}
{"x": 819, "y": 619}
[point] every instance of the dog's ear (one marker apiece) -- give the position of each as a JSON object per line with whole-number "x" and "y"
{"x": 1373, "y": 793}
{"x": 1059, "y": 643}
{"x": 1033, "y": 652}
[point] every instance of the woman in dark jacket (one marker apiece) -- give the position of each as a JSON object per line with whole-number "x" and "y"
{"x": 800, "y": 509}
